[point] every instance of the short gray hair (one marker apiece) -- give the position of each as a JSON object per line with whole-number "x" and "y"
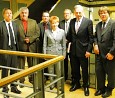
{"x": 78, "y": 6}
{"x": 23, "y": 8}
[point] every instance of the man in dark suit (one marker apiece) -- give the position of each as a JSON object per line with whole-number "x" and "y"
{"x": 64, "y": 24}
{"x": 81, "y": 37}
{"x": 28, "y": 35}
{"x": 104, "y": 48}
{"x": 43, "y": 25}
{"x": 8, "y": 41}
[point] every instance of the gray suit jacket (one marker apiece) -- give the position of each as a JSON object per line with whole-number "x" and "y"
{"x": 105, "y": 39}
{"x": 56, "y": 46}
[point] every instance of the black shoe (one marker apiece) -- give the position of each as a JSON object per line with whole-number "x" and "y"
{"x": 15, "y": 90}
{"x": 107, "y": 94}
{"x": 99, "y": 92}
{"x": 5, "y": 89}
{"x": 86, "y": 91}
{"x": 74, "y": 87}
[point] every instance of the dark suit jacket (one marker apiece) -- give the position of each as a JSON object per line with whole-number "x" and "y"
{"x": 105, "y": 39}
{"x": 4, "y": 40}
{"x": 42, "y": 30}
{"x": 32, "y": 32}
{"x": 62, "y": 26}
{"x": 83, "y": 40}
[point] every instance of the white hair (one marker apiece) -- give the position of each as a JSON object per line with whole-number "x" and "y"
{"x": 78, "y": 6}
{"x": 23, "y": 8}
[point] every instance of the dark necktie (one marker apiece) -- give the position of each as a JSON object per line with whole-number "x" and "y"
{"x": 103, "y": 26}
{"x": 11, "y": 35}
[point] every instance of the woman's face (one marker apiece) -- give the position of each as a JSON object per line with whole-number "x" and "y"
{"x": 54, "y": 24}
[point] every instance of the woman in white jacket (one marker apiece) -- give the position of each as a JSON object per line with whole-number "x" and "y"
{"x": 54, "y": 43}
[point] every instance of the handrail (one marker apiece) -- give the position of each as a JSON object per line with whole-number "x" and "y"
{"x": 28, "y": 54}
{"x": 30, "y": 70}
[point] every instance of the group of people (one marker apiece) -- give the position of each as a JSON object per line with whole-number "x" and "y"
{"x": 72, "y": 37}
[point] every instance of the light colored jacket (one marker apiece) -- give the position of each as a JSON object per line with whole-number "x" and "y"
{"x": 56, "y": 46}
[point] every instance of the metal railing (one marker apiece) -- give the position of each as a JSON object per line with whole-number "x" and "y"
{"x": 38, "y": 85}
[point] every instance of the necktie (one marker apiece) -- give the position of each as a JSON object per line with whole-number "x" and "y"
{"x": 77, "y": 26}
{"x": 11, "y": 35}
{"x": 66, "y": 26}
{"x": 45, "y": 26}
{"x": 103, "y": 26}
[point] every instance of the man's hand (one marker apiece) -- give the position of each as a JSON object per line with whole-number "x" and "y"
{"x": 96, "y": 49}
{"x": 109, "y": 56}
{"x": 87, "y": 54}
{"x": 27, "y": 40}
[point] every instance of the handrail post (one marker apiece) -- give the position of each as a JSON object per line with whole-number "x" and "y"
{"x": 38, "y": 84}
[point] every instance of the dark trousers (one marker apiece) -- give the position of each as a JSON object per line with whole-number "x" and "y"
{"x": 11, "y": 62}
{"x": 66, "y": 66}
{"x": 105, "y": 67}
{"x": 31, "y": 62}
{"x": 76, "y": 63}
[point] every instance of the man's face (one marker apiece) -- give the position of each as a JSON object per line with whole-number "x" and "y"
{"x": 78, "y": 13}
{"x": 67, "y": 14}
{"x": 104, "y": 15}
{"x": 24, "y": 14}
{"x": 8, "y": 15}
{"x": 45, "y": 17}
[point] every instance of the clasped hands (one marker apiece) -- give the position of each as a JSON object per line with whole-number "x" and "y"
{"x": 27, "y": 40}
{"x": 109, "y": 56}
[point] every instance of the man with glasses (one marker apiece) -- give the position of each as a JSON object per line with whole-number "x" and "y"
{"x": 104, "y": 48}
{"x": 43, "y": 25}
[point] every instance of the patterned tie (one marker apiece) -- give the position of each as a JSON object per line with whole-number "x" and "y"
{"x": 11, "y": 35}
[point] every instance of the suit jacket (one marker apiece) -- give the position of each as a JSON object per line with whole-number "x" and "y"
{"x": 32, "y": 33}
{"x": 83, "y": 40}
{"x": 62, "y": 26}
{"x": 4, "y": 40}
{"x": 56, "y": 46}
{"x": 105, "y": 39}
{"x": 42, "y": 30}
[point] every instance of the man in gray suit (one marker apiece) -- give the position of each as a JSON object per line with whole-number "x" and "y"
{"x": 81, "y": 37}
{"x": 28, "y": 35}
{"x": 104, "y": 48}
{"x": 8, "y": 41}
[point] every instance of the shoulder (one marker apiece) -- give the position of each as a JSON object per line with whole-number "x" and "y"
{"x": 87, "y": 19}
{"x": 2, "y": 22}
{"x": 32, "y": 20}
{"x": 62, "y": 21}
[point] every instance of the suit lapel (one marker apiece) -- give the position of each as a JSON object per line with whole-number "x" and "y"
{"x": 21, "y": 28}
{"x": 81, "y": 25}
{"x": 5, "y": 28}
{"x": 106, "y": 28}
